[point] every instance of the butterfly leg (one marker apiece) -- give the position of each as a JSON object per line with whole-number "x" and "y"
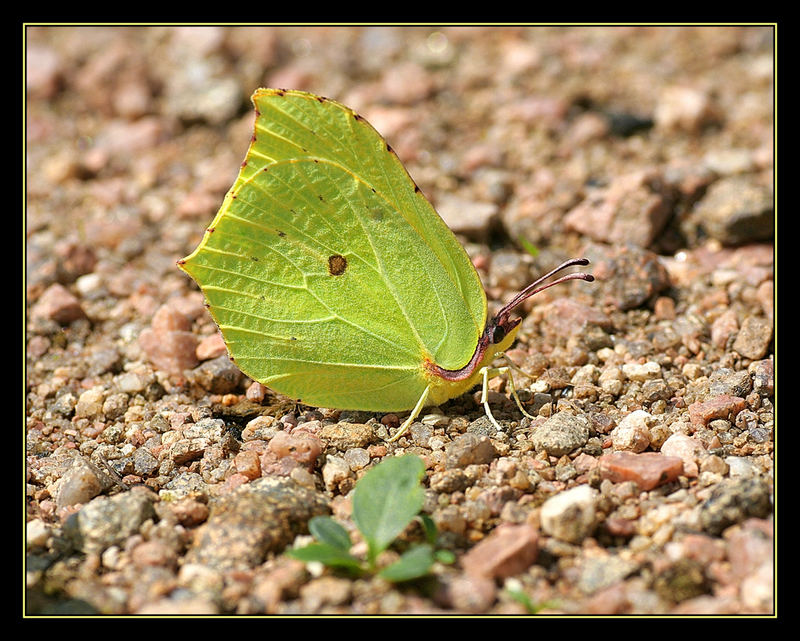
{"x": 413, "y": 416}
{"x": 491, "y": 372}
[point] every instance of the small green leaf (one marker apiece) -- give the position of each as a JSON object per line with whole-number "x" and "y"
{"x": 416, "y": 562}
{"x": 528, "y": 246}
{"x": 429, "y": 527}
{"x": 326, "y": 530}
{"x": 445, "y": 556}
{"x": 386, "y": 499}
{"x": 325, "y": 554}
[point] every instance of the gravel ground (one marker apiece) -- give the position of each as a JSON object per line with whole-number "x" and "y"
{"x": 160, "y": 480}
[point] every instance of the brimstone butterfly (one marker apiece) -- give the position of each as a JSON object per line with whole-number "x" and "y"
{"x": 332, "y": 278}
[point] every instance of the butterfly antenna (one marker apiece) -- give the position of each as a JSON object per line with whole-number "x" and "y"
{"x": 537, "y": 286}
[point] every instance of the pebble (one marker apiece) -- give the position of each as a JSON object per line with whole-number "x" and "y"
{"x": 570, "y": 515}
{"x": 469, "y": 449}
{"x": 642, "y": 371}
{"x": 257, "y": 518}
{"x": 683, "y": 108}
{"x": 507, "y": 551}
{"x": 90, "y": 403}
{"x": 754, "y": 337}
{"x": 470, "y": 593}
{"x": 634, "y": 208}
{"x": 633, "y": 432}
{"x": 287, "y": 451}
{"x": 686, "y": 448}
{"x": 626, "y": 277}
{"x": 210, "y": 347}
{"x": 335, "y": 471}
{"x": 600, "y": 573}
{"x": 325, "y": 590}
{"x": 168, "y": 343}
{"x": 648, "y": 469}
{"x": 728, "y": 381}
{"x": 80, "y": 483}
{"x": 217, "y": 376}
{"x": 763, "y": 377}
{"x": 107, "y": 521}
{"x": 734, "y": 500}
{"x": 736, "y": 210}
{"x": 36, "y": 534}
{"x": 468, "y": 217}
{"x": 561, "y": 434}
{"x": 723, "y": 327}
{"x": 344, "y": 436}
{"x": 723, "y": 406}
{"x": 57, "y": 303}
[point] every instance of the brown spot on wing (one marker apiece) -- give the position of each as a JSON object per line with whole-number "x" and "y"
{"x": 337, "y": 264}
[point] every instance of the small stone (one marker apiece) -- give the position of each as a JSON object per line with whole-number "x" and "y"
{"x": 189, "y": 512}
{"x": 261, "y": 428}
{"x": 153, "y": 553}
{"x": 90, "y": 403}
{"x": 723, "y": 327}
{"x": 248, "y": 463}
{"x": 561, "y": 434}
{"x": 633, "y": 209}
{"x": 468, "y": 217}
{"x": 212, "y": 346}
{"x": 218, "y": 376}
{"x": 633, "y": 432}
{"x": 257, "y": 518}
{"x": 686, "y": 448}
{"x": 754, "y": 337}
{"x": 326, "y": 590}
{"x": 733, "y": 501}
{"x": 723, "y": 406}
{"x": 570, "y": 515}
{"x": 36, "y": 534}
{"x": 648, "y": 470}
{"x": 763, "y": 377}
{"x": 344, "y": 436}
{"x": 684, "y": 108}
{"x": 334, "y": 472}
{"x": 682, "y": 580}
{"x": 357, "y": 458}
{"x": 737, "y": 209}
{"x": 642, "y": 371}
{"x": 728, "y": 381}
{"x": 144, "y": 463}
{"x": 170, "y": 351}
{"x": 79, "y": 484}
{"x": 627, "y": 276}
{"x": 289, "y": 450}
{"x": 59, "y": 304}
{"x": 508, "y": 550}
{"x": 469, "y": 449}
{"x": 107, "y": 521}
{"x": 471, "y": 593}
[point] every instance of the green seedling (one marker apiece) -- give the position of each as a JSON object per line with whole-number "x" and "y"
{"x": 385, "y": 501}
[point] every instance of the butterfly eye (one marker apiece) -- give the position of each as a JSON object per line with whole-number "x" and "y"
{"x": 498, "y": 334}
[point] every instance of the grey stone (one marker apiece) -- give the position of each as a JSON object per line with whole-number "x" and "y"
{"x": 257, "y": 518}
{"x": 107, "y": 521}
{"x": 561, "y": 434}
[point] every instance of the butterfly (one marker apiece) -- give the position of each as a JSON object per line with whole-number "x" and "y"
{"x": 332, "y": 278}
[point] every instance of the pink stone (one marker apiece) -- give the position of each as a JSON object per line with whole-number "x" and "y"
{"x": 211, "y": 347}
{"x": 59, "y": 304}
{"x": 170, "y": 351}
{"x": 248, "y": 463}
{"x": 722, "y": 406}
{"x": 508, "y": 550}
{"x": 648, "y": 470}
{"x": 168, "y": 318}
{"x": 687, "y": 449}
